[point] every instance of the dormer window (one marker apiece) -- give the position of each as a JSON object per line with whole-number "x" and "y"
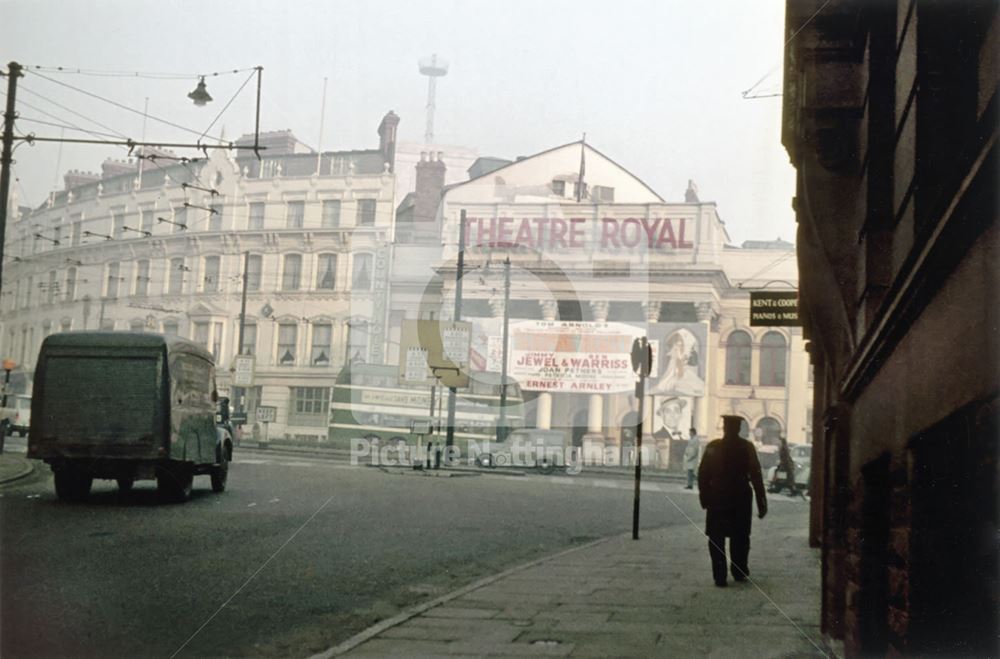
{"x": 603, "y": 194}
{"x": 559, "y": 188}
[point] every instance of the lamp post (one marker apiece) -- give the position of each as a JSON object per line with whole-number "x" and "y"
{"x": 450, "y": 434}
{"x": 502, "y": 426}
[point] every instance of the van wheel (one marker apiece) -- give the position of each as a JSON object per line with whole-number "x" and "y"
{"x": 220, "y": 475}
{"x": 125, "y": 484}
{"x": 175, "y": 483}
{"x": 72, "y": 485}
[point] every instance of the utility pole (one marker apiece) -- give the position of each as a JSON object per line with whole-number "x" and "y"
{"x": 502, "y": 426}
{"x": 450, "y": 436}
{"x": 243, "y": 323}
{"x": 6, "y": 157}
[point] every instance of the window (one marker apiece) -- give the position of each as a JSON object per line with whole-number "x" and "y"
{"x": 331, "y": 214}
{"x": 738, "y": 358}
{"x": 559, "y": 188}
{"x": 256, "y": 220}
{"x": 142, "y": 277}
{"x": 211, "y": 282}
{"x": 201, "y": 334}
{"x": 146, "y": 223}
{"x": 254, "y": 267}
{"x": 70, "y": 284}
{"x": 322, "y": 338}
{"x": 577, "y": 192}
{"x": 296, "y": 214}
{"x": 27, "y": 293}
{"x": 604, "y": 194}
{"x": 249, "y": 346}
{"x": 366, "y": 212}
{"x": 50, "y": 292}
{"x": 56, "y": 235}
{"x": 287, "y": 338}
{"x": 180, "y": 218}
{"x": 77, "y": 230}
{"x": 171, "y": 328}
{"x": 176, "y": 280}
{"x": 66, "y": 325}
{"x": 108, "y": 324}
{"x": 117, "y": 224}
{"x": 309, "y": 406}
{"x": 772, "y": 360}
{"x": 113, "y": 279}
{"x": 291, "y": 276}
{"x": 215, "y": 217}
{"x": 217, "y": 341}
{"x": 357, "y": 341}
{"x": 326, "y": 273}
{"x": 361, "y": 279}
{"x": 136, "y": 326}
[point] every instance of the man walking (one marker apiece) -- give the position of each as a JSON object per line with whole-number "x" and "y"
{"x": 729, "y": 467}
{"x": 691, "y": 452}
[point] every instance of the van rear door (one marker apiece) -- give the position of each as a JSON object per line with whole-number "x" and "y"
{"x": 102, "y": 405}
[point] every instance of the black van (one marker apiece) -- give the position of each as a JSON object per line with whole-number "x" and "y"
{"x": 127, "y": 406}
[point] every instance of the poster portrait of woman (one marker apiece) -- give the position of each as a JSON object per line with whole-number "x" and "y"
{"x": 680, "y": 357}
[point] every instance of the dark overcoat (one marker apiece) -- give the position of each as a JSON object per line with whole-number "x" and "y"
{"x": 729, "y": 469}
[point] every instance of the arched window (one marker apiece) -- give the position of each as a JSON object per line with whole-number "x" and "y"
{"x": 768, "y": 431}
{"x": 772, "y": 360}
{"x": 738, "y": 358}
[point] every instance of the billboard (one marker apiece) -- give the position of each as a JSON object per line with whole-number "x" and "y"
{"x": 774, "y": 309}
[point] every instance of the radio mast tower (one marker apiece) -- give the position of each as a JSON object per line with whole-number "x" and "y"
{"x": 433, "y": 68}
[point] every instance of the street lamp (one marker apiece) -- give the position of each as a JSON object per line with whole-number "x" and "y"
{"x": 502, "y": 424}
{"x": 200, "y": 95}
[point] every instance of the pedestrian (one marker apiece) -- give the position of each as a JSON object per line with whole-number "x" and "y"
{"x": 787, "y": 465}
{"x": 729, "y": 468}
{"x": 691, "y": 454}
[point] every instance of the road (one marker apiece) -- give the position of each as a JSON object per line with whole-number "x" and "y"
{"x": 299, "y": 553}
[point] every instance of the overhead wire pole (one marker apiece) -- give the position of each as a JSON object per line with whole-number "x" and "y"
{"x": 14, "y": 71}
{"x": 243, "y": 322}
{"x": 450, "y": 435}
{"x": 6, "y": 157}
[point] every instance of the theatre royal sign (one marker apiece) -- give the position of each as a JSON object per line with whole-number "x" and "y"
{"x": 560, "y": 233}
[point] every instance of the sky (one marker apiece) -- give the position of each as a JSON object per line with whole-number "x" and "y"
{"x": 655, "y": 85}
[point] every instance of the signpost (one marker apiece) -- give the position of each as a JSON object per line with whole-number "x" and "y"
{"x": 243, "y": 371}
{"x": 266, "y": 414}
{"x": 642, "y": 359}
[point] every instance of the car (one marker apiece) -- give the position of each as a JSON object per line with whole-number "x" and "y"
{"x": 539, "y": 448}
{"x": 18, "y": 414}
{"x": 802, "y": 458}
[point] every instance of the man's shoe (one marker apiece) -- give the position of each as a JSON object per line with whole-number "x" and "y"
{"x": 720, "y": 584}
{"x": 688, "y": 487}
{"x": 740, "y": 575}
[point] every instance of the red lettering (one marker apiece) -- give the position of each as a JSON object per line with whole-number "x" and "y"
{"x": 540, "y": 227}
{"x": 609, "y": 232}
{"x": 651, "y": 231}
{"x": 558, "y": 232}
{"x": 505, "y": 229}
{"x": 667, "y": 235}
{"x": 633, "y": 240}
{"x": 524, "y": 236}
{"x": 680, "y": 239}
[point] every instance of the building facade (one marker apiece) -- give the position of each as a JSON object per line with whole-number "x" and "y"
{"x": 167, "y": 244}
{"x": 890, "y": 118}
{"x": 590, "y": 274}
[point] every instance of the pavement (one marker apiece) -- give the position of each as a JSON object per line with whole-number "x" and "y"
{"x": 14, "y": 466}
{"x": 619, "y": 597}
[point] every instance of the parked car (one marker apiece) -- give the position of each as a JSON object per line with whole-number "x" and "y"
{"x": 528, "y": 447}
{"x": 128, "y": 406}
{"x": 17, "y": 414}
{"x": 777, "y": 479}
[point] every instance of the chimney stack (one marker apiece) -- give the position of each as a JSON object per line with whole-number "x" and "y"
{"x": 430, "y": 184}
{"x": 387, "y": 139}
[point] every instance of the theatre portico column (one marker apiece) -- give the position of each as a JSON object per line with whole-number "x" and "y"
{"x": 595, "y": 410}
{"x": 699, "y": 417}
{"x": 662, "y": 447}
{"x": 543, "y": 409}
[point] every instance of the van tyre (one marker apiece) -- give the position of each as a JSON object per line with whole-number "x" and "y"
{"x": 219, "y": 475}
{"x": 175, "y": 483}
{"x": 72, "y": 485}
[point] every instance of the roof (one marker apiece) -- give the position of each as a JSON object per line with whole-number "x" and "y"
{"x": 133, "y": 340}
{"x": 556, "y": 148}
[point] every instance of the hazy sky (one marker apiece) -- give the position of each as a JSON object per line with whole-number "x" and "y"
{"x": 655, "y": 84}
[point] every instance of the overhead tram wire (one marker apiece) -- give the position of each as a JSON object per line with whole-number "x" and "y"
{"x": 226, "y": 106}
{"x": 117, "y": 104}
{"x": 70, "y": 110}
{"x": 131, "y": 74}
{"x": 746, "y": 92}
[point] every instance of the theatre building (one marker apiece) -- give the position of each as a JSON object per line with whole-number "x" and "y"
{"x": 595, "y": 264}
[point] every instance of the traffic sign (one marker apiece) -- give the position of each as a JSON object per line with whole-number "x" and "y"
{"x": 243, "y": 368}
{"x": 267, "y": 413}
